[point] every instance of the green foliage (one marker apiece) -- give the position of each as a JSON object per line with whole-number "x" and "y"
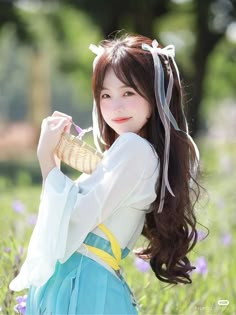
{"x": 63, "y": 36}
{"x": 24, "y": 173}
{"x": 220, "y": 80}
{"x": 178, "y": 28}
{"x": 16, "y": 228}
{"x": 19, "y": 173}
{"x": 11, "y": 255}
{"x": 77, "y": 32}
{"x": 13, "y": 76}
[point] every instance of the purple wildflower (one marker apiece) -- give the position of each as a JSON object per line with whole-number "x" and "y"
{"x": 20, "y": 307}
{"x": 32, "y": 218}
{"x": 17, "y": 259}
{"x": 18, "y": 206}
{"x": 21, "y": 250}
{"x": 19, "y": 254}
{"x": 200, "y": 235}
{"x": 141, "y": 265}
{"x": 7, "y": 249}
{"x": 201, "y": 265}
{"x": 226, "y": 239}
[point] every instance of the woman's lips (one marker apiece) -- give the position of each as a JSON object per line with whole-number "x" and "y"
{"x": 121, "y": 120}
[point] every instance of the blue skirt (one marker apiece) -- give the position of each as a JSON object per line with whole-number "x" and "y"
{"x": 81, "y": 286}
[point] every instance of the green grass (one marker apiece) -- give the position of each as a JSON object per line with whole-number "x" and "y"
{"x": 216, "y": 210}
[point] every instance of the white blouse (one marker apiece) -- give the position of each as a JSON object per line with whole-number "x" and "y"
{"x": 118, "y": 194}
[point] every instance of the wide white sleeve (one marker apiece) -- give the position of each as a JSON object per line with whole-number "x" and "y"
{"x": 49, "y": 233}
{"x": 122, "y": 178}
{"x": 67, "y": 215}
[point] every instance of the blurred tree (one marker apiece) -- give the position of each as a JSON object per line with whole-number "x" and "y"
{"x": 137, "y": 16}
{"x": 10, "y": 15}
{"x": 61, "y": 35}
{"x": 40, "y": 88}
{"x": 211, "y": 19}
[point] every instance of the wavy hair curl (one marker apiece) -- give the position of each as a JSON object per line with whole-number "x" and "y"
{"x": 172, "y": 233}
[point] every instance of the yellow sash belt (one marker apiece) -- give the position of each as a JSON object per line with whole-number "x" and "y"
{"x": 113, "y": 262}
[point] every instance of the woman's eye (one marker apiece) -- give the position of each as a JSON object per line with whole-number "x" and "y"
{"x": 105, "y": 96}
{"x": 128, "y": 93}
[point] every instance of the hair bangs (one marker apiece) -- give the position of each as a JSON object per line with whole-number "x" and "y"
{"x": 124, "y": 68}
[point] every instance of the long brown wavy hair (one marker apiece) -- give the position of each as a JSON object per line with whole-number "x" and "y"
{"x": 171, "y": 233}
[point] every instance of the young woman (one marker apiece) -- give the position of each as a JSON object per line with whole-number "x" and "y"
{"x": 143, "y": 184}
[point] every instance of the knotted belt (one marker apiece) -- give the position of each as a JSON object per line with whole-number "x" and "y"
{"x": 109, "y": 251}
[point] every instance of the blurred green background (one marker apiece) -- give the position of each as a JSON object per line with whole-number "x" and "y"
{"x": 45, "y": 65}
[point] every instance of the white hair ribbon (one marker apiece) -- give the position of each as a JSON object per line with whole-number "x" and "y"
{"x": 97, "y": 50}
{"x": 163, "y": 102}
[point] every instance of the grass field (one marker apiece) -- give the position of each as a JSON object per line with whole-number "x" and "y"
{"x": 214, "y": 256}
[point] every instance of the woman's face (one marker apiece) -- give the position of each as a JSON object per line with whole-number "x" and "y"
{"x": 122, "y": 108}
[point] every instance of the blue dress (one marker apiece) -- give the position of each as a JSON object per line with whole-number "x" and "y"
{"x": 83, "y": 286}
{"x": 64, "y": 277}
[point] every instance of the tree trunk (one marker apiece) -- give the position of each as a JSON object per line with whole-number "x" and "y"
{"x": 206, "y": 40}
{"x": 39, "y": 97}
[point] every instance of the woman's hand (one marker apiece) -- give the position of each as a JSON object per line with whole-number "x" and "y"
{"x": 51, "y": 129}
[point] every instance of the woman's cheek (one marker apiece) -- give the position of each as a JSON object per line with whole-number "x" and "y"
{"x": 104, "y": 111}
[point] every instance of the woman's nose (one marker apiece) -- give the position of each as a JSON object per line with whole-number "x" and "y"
{"x": 117, "y": 104}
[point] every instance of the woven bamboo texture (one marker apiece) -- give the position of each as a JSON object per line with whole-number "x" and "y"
{"x": 77, "y": 153}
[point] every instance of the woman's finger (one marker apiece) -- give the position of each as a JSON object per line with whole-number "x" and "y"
{"x": 56, "y": 119}
{"x": 68, "y": 127}
{"x": 60, "y": 114}
{"x": 62, "y": 124}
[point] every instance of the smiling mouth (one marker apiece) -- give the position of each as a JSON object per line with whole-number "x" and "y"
{"x": 121, "y": 119}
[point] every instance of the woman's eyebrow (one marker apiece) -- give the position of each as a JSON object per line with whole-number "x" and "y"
{"x": 104, "y": 88}
{"x": 120, "y": 87}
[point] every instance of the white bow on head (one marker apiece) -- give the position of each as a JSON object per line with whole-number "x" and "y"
{"x": 97, "y": 50}
{"x": 163, "y": 102}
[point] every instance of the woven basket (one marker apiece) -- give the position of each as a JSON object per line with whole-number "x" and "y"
{"x": 77, "y": 153}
